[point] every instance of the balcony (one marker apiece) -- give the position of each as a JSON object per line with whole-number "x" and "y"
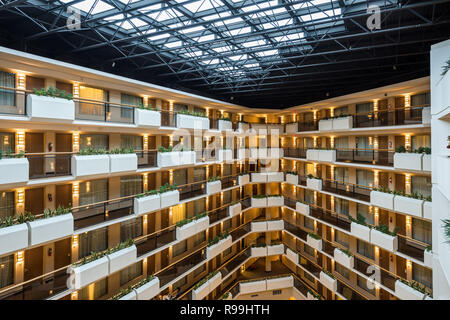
{"x": 347, "y": 189}
{"x": 17, "y": 104}
{"x": 147, "y": 118}
{"x": 103, "y": 112}
{"x": 49, "y": 165}
{"x": 406, "y": 116}
{"x": 366, "y": 156}
{"x": 14, "y": 170}
{"x": 302, "y": 126}
{"x": 50, "y": 108}
{"x": 147, "y": 159}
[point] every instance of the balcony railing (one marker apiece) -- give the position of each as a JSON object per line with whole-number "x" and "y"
{"x": 103, "y": 111}
{"x": 295, "y": 153}
{"x": 329, "y": 217}
{"x": 411, "y": 247}
{"x": 168, "y": 119}
{"x": 147, "y": 159}
{"x": 347, "y": 189}
{"x": 378, "y": 157}
{"x": 13, "y": 101}
{"x": 49, "y": 165}
{"x": 403, "y": 116}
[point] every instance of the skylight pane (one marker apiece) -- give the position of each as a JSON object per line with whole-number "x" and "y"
{"x": 159, "y": 37}
{"x": 205, "y": 38}
{"x": 238, "y": 31}
{"x": 87, "y": 4}
{"x": 193, "y": 29}
{"x": 267, "y": 53}
{"x": 254, "y": 43}
{"x": 173, "y": 44}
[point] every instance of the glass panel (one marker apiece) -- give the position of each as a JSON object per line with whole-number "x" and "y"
{"x": 131, "y": 229}
{"x": 6, "y": 270}
{"x": 7, "y": 142}
{"x": 7, "y": 98}
{"x": 341, "y": 206}
{"x": 364, "y": 178}
{"x": 364, "y": 210}
{"x": 341, "y": 238}
{"x": 421, "y": 185}
{"x": 131, "y": 141}
{"x": 93, "y": 191}
{"x": 421, "y": 230}
{"x": 130, "y": 273}
{"x": 422, "y": 275}
{"x": 179, "y": 248}
{"x": 131, "y": 185}
{"x": 420, "y": 141}
{"x": 364, "y": 107}
{"x": 343, "y": 271}
{"x": 420, "y": 99}
{"x": 93, "y": 241}
{"x": 94, "y": 141}
{"x": 366, "y": 249}
{"x": 7, "y": 206}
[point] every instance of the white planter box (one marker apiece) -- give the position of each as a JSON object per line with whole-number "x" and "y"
{"x": 327, "y": 155}
{"x": 280, "y": 283}
{"x": 192, "y": 122}
{"x": 225, "y": 125}
{"x": 147, "y": 204}
{"x": 275, "y": 176}
{"x": 252, "y": 287}
{"x": 244, "y": 179}
{"x": 13, "y": 238}
{"x": 147, "y": 118}
{"x": 122, "y": 258}
{"x": 275, "y": 225}
{"x": 427, "y": 210}
{"x": 259, "y": 177}
{"x": 257, "y": 252}
{"x": 259, "y": 202}
{"x": 315, "y": 243}
{"x": 49, "y": 229}
{"x": 312, "y": 155}
{"x": 408, "y": 161}
{"x": 405, "y": 292}
{"x": 218, "y": 248}
{"x": 344, "y": 259}
{"x": 360, "y": 231}
{"x": 275, "y": 201}
{"x": 315, "y": 184}
{"x": 274, "y": 250}
{"x": 149, "y": 290}
{"x": 309, "y": 296}
{"x": 259, "y": 226}
{"x": 254, "y": 153}
{"x": 326, "y": 125}
{"x": 90, "y": 272}
{"x": 275, "y": 153}
{"x": 275, "y": 129}
{"x": 302, "y": 208}
{"x": 192, "y": 228}
{"x": 225, "y": 155}
{"x": 291, "y": 255}
{"x": 48, "y": 108}
{"x": 408, "y": 206}
{"x": 382, "y": 199}
{"x": 130, "y": 296}
{"x": 213, "y": 187}
{"x": 243, "y": 127}
{"x": 292, "y": 179}
{"x": 383, "y": 240}
{"x": 426, "y": 115}
{"x": 291, "y": 127}
{"x": 234, "y": 209}
{"x": 168, "y": 159}
{"x": 90, "y": 165}
{"x": 426, "y": 162}
{"x": 428, "y": 259}
{"x": 206, "y": 288}
{"x": 328, "y": 281}
{"x": 243, "y": 154}
{"x": 14, "y": 170}
{"x": 169, "y": 198}
{"x": 123, "y": 162}
{"x": 344, "y": 123}
{"x": 187, "y": 157}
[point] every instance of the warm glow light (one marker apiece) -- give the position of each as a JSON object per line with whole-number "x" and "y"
{"x": 20, "y": 81}
{"x": 75, "y": 241}
{"x": 20, "y": 141}
{"x": 76, "y": 189}
{"x": 76, "y": 89}
{"x": 407, "y": 101}
{"x": 20, "y": 196}
{"x": 19, "y": 256}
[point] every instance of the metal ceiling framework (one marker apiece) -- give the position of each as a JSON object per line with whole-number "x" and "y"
{"x": 259, "y": 53}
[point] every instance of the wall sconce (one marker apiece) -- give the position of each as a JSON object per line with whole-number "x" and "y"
{"x": 332, "y": 112}
{"x": 88, "y": 186}
{"x": 145, "y": 144}
{"x": 74, "y": 295}
{"x": 408, "y": 221}
{"x": 21, "y": 141}
{"x": 6, "y": 140}
{"x": 407, "y": 141}
{"x": 332, "y": 142}
{"x": 76, "y": 89}
{"x": 75, "y": 141}
{"x": 20, "y": 81}
{"x": 20, "y": 196}
{"x": 145, "y": 180}
{"x": 375, "y": 105}
{"x": 76, "y": 189}
{"x": 19, "y": 257}
{"x": 407, "y": 101}
{"x": 171, "y": 105}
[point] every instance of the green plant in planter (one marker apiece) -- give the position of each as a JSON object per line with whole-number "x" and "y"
{"x": 346, "y": 252}
{"x": 225, "y": 119}
{"x": 6, "y": 222}
{"x": 400, "y": 149}
{"x": 315, "y": 236}
{"x": 212, "y": 179}
{"x": 328, "y": 274}
{"x": 385, "y": 229}
{"x": 445, "y": 68}
{"x": 121, "y": 151}
{"x": 53, "y": 92}
{"x": 259, "y": 196}
{"x": 225, "y": 295}
{"x": 315, "y": 295}
{"x": 295, "y": 173}
{"x": 446, "y": 227}
{"x": 429, "y": 248}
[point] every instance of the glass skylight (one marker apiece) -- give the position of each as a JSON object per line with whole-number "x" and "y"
{"x": 87, "y": 5}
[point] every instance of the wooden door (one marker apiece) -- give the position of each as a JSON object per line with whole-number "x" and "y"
{"x": 63, "y": 144}
{"x": 62, "y": 253}
{"x": 34, "y": 200}
{"x": 63, "y": 195}
{"x": 34, "y": 143}
{"x": 33, "y": 266}
{"x": 67, "y": 87}
{"x": 34, "y": 83}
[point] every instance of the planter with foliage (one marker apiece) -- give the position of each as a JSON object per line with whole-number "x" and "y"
{"x": 169, "y": 195}
{"x": 344, "y": 257}
{"x": 408, "y": 161}
{"x": 148, "y": 288}
{"x": 14, "y": 233}
{"x": 275, "y": 225}
{"x": 235, "y": 209}
{"x": 206, "y": 285}
{"x": 428, "y": 257}
{"x": 225, "y": 155}
{"x": 225, "y": 124}
{"x": 243, "y": 126}
{"x": 275, "y": 249}
{"x": 188, "y": 227}
{"x": 213, "y": 186}
{"x": 409, "y": 290}
{"x": 328, "y": 280}
{"x": 382, "y": 237}
{"x": 382, "y": 198}
{"x": 302, "y": 207}
{"x": 51, "y": 104}
{"x": 343, "y": 122}
{"x": 280, "y": 283}
{"x": 312, "y": 154}
{"x": 14, "y": 169}
{"x": 259, "y": 201}
{"x": 427, "y": 210}
{"x": 275, "y": 176}
{"x": 147, "y": 117}
{"x": 275, "y": 200}
{"x": 90, "y": 269}
{"x": 243, "y": 179}
{"x": 326, "y": 124}
{"x": 192, "y": 120}
{"x": 258, "y": 250}
{"x": 259, "y": 226}
{"x": 292, "y": 177}
{"x": 314, "y": 183}
{"x": 227, "y": 296}
{"x": 314, "y": 241}
{"x": 147, "y": 202}
{"x": 122, "y": 160}
{"x": 292, "y": 127}
{"x": 359, "y": 228}
{"x": 54, "y": 224}
{"x": 243, "y": 154}
{"x": 90, "y": 162}
{"x": 311, "y": 295}
{"x": 219, "y": 244}
{"x": 259, "y": 177}
{"x": 121, "y": 256}
{"x": 291, "y": 255}
{"x": 252, "y": 286}
{"x": 409, "y": 205}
